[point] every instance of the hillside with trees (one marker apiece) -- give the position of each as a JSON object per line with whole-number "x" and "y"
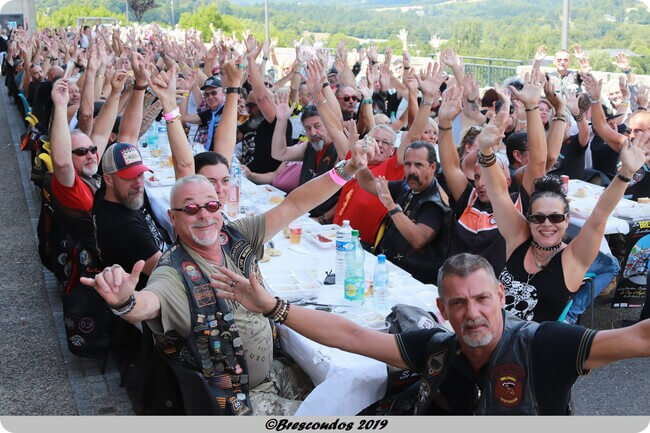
{"x": 484, "y": 28}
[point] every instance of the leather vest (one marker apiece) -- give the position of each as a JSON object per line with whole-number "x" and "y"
{"x": 506, "y": 386}
{"x": 423, "y": 264}
{"x": 214, "y": 348}
{"x": 310, "y": 170}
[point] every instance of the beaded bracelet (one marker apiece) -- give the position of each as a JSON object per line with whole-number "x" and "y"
{"x": 275, "y": 308}
{"x": 536, "y": 107}
{"x": 487, "y": 160}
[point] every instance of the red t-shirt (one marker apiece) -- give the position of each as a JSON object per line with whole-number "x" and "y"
{"x": 363, "y": 209}
{"x": 79, "y": 196}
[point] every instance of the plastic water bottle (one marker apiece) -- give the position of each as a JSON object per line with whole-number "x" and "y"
{"x": 380, "y": 283}
{"x": 152, "y": 138}
{"x": 355, "y": 281}
{"x": 233, "y": 188}
{"x": 163, "y": 140}
{"x": 343, "y": 243}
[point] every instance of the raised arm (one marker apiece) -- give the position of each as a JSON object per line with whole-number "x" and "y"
{"x": 164, "y": 84}
{"x": 611, "y": 137}
{"x": 530, "y": 96}
{"x": 455, "y": 62}
{"x": 60, "y": 139}
{"x": 132, "y": 118}
{"x": 583, "y": 127}
{"x": 511, "y": 224}
{"x": 449, "y": 160}
{"x": 279, "y": 148}
{"x": 87, "y": 102}
{"x": 108, "y": 113}
{"x": 322, "y": 327}
{"x": 584, "y": 248}
{"x": 618, "y": 344}
{"x": 558, "y": 123}
{"x": 471, "y": 112}
{"x": 265, "y": 100}
{"x": 225, "y": 137}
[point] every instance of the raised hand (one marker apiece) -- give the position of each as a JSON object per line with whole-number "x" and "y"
{"x": 451, "y": 104}
{"x": 114, "y": 284}
{"x": 621, "y": 62}
{"x": 252, "y": 48}
{"x": 139, "y": 68}
{"x": 164, "y": 84}
{"x": 231, "y": 73}
{"x": 472, "y": 88}
{"x": 315, "y": 78}
{"x": 282, "y": 109}
{"x": 118, "y": 80}
{"x": 403, "y": 36}
{"x": 435, "y": 42}
{"x": 633, "y": 153}
{"x": 450, "y": 58}
{"x": 323, "y": 57}
{"x": 372, "y": 75}
{"x": 301, "y": 53}
{"x": 530, "y": 94}
{"x": 388, "y": 56}
{"x": 59, "y": 94}
{"x": 553, "y": 99}
{"x": 350, "y": 131}
{"x": 625, "y": 90}
{"x": 366, "y": 92}
{"x": 372, "y": 54}
{"x": 541, "y": 52}
{"x": 384, "y": 77}
{"x": 571, "y": 100}
{"x": 94, "y": 61}
{"x": 578, "y": 52}
{"x": 592, "y": 86}
{"x": 430, "y": 80}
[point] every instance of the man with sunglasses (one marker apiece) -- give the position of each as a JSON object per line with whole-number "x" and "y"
{"x": 229, "y": 345}
{"x": 348, "y": 100}
{"x": 209, "y": 118}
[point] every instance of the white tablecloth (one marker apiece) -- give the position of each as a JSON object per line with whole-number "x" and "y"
{"x": 345, "y": 383}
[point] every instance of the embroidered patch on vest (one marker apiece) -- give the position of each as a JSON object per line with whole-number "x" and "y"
{"x": 86, "y": 325}
{"x": 508, "y": 383}
{"x": 435, "y": 363}
{"x": 238, "y": 406}
{"x": 223, "y": 238}
{"x": 190, "y": 270}
{"x": 84, "y": 258}
{"x": 204, "y": 295}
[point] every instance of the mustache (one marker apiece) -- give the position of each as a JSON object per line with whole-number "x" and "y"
{"x": 413, "y": 177}
{"x": 205, "y": 223}
{"x": 473, "y": 323}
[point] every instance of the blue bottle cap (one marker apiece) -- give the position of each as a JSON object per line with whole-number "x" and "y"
{"x": 381, "y": 258}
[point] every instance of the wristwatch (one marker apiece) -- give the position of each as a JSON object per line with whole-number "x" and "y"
{"x": 341, "y": 171}
{"x": 395, "y": 210}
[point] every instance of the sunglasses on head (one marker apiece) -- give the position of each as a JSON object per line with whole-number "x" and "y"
{"x": 83, "y": 151}
{"x": 212, "y": 93}
{"x": 347, "y": 98}
{"x": 554, "y": 218}
{"x": 193, "y": 209}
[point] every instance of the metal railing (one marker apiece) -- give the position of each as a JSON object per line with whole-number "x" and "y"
{"x": 487, "y": 70}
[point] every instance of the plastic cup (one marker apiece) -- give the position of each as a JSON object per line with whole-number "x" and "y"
{"x": 295, "y": 234}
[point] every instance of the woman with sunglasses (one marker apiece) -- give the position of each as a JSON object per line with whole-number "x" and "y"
{"x": 542, "y": 272}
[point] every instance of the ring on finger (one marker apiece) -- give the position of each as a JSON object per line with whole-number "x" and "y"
{"x": 232, "y": 283}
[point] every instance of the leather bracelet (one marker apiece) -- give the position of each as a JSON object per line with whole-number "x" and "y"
{"x": 641, "y": 109}
{"x": 233, "y": 90}
{"x": 442, "y": 128}
{"x": 624, "y": 178}
{"x": 579, "y": 117}
{"x": 137, "y": 87}
{"x": 326, "y": 84}
{"x": 406, "y": 68}
{"x": 560, "y": 118}
{"x": 285, "y": 314}
{"x": 124, "y": 308}
{"x": 536, "y": 107}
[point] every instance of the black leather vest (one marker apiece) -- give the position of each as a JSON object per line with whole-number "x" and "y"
{"x": 423, "y": 264}
{"x": 214, "y": 348}
{"x": 310, "y": 170}
{"x": 507, "y": 384}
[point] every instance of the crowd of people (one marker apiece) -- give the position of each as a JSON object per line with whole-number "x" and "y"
{"x": 457, "y": 185}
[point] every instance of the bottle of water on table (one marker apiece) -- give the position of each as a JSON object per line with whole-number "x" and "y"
{"x": 233, "y": 188}
{"x": 343, "y": 243}
{"x": 380, "y": 283}
{"x": 355, "y": 280}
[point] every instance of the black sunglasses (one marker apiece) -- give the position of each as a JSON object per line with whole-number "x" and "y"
{"x": 193, "y": 209}
{"x": 347, "y": 98}
{"x": 83, "y": 151}
{"x": 554, "y": 218}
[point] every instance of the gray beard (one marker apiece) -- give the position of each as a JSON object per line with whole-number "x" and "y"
{"x": 317, "y": 145}
{"x": 254, "y": 122}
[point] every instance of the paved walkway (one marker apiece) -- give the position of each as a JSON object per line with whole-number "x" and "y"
{"x": 38, "y": 375}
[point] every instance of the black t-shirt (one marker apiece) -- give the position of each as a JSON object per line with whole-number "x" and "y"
{"x": 571, "y": 160}
{"x": 429, "y": 213}
{"x": 640, "y": 184}
{"x": 558, "y": 352}
{"x": 125, "y": 236}
{"x": 603, "y": 157}
{"x": 256, "y": 145}
{"x": 476, "y": 231}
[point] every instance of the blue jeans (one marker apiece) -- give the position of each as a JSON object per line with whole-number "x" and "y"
{"x": 605, "y": 267}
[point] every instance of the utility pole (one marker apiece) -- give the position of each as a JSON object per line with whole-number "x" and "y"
{"x": 126, "y": 8}
{"x": 266, "y": 20}
{"x": 565, "y": 25}
{"x": 172, "y": 3}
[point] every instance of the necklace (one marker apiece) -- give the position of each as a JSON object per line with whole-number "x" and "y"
{"x": 538, "y": 262}
{"x": 539, "y": 247}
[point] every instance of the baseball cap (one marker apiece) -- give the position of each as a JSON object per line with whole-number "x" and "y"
{"x": 125, "y": 160}
{"x": 333, "y": 71}
{"x": 212, "y": 81}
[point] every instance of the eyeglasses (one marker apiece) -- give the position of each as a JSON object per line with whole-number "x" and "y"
{"x": 193, "y": 208}
{"x": 554, "y": 218}
{"x": 347, "y": 98}
{"x": 268, "y": 85}
{"x": 212, "y": 93}
{"x": 83, "y": 151}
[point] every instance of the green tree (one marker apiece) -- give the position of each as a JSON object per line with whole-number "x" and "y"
{"x": 201, "y": 18}
{"x": 67, "y": 16}
{"x": 335, "y": 39}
